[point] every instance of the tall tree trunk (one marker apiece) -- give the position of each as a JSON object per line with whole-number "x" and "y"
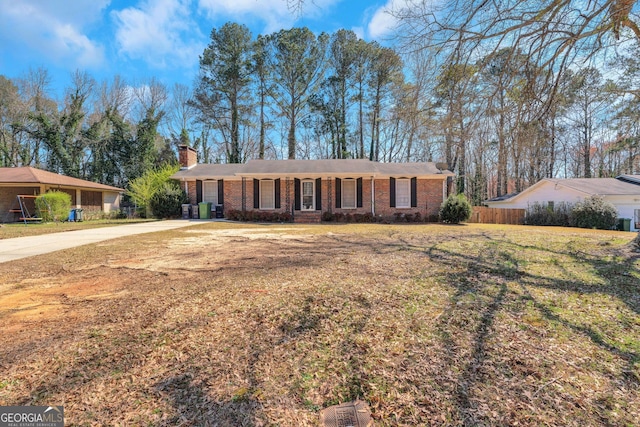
{"x": 262, "y": 130}
{"x": 235, "y": 132}
{"x": 291, "y": 137}
{"x": 361, "y": 124}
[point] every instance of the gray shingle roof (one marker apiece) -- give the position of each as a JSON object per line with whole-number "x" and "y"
{"x": 328, "y": 167}
{"x": 600, "y": 186}
{"x": 208, "y": 171}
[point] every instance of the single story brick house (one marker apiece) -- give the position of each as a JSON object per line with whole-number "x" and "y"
{"x": 308, "y": 188}
{"x": 30, "y": 181}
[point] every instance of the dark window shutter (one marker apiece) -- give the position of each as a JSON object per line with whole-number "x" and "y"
{"x": 338, "y": 193}
{"x": 220, "y": 192}
{"x": 359, "y": 192}
{"x": 198, "y": 191}
{"x": 256, "y": 194}
{"x": 392, "y": 192}
{"x": 414, "y": 192}
{"x": 319, "y": 194}
{"x": 297, "y": 203}
{"x": 276, "y": 190}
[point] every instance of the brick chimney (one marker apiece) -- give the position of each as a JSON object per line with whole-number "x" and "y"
{"x": 187, "y": 156}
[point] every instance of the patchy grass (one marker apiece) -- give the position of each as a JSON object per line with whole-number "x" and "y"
{"x": 8, "y": 231}
{"x": 248, "y": 325}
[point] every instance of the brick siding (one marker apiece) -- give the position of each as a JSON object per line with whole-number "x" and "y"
{"x": 429, "y": 197}
{"x": 187, "y": 156}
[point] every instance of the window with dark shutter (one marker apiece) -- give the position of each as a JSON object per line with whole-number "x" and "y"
{"x": 256, "y": 194}
{"x": 220, "y": 192}
{"x": 359, "y": 192}
{"x": 403, "y": 193}
{"x": 338, "y": 193}
{"x": 349, "y": 194}
{"x": 296, "y": 194}
{"x": 277, "y": 193}
{"x": 414, "y": 192}
{"x": 210, "y": 191}
{"x": 267, "y": 194}
{"x": 308, "y": 195}
{"x": 392, "y": 192}
{"x": 198, "y": 191}
{"x": 319, "y": 194}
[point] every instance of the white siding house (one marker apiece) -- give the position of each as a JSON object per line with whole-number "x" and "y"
{"x": 622, "y": 192}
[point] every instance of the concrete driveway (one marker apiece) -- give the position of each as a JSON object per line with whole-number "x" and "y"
{"x": 22, "y": 247}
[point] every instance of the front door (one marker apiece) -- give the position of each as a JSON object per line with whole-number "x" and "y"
{"x": 308, "y": 195}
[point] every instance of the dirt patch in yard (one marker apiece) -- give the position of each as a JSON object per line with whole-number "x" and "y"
{"x": 236, "y": 325}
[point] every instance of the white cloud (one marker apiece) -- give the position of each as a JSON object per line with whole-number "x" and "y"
{"x": 54, "y": 29}
{"x": 359, "y": 31}
{"x": 160, "y": 32}
{"x": 87, "y": 54}
{"x": 275, "y": 13}
{"x": 383, "y": 23}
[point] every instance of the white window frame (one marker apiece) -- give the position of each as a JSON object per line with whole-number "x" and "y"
{"x": 400, "y": 182}
{"x": 263, "y": 182}
{"x": 313, "y": 195}
{"x": 345, "y": 182}
{"x": 210, "y": 192}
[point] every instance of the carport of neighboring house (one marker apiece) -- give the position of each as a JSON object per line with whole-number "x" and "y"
{"x": 29, "y": 181}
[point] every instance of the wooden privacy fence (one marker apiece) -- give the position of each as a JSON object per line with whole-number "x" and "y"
{"x": 484, "y": 215}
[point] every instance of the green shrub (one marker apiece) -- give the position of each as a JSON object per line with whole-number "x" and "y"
{"x": 327, "y": 216}
{"x": 53, "y": 206}
{"x": 594, "y": 212}
{"x": 455, "y": 209}
{"x": 142, "y": 189}
{"x": 168, "y": 200}
{"x": 257, "y": 216}
{"x": 543, "y": 214}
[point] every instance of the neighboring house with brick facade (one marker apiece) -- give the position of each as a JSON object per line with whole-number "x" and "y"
{"x": 29, "y": 181}
{"x": 308, "y": 188}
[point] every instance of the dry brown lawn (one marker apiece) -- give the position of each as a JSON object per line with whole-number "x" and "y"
{"x": 246, "y": 325}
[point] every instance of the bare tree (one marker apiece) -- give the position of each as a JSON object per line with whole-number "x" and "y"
{"x": 552, "y": 34}
{"x": 180, "y": 113}
{"x": 13, "y": 115}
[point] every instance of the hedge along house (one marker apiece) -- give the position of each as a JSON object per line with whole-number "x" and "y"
{"x": 309, "y": 188}
{"x": 29, "y": 181}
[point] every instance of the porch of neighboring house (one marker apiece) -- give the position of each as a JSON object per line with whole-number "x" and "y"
{"x": 10, "y": 203}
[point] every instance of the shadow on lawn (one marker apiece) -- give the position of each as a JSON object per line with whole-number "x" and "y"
{"x": 480, "y": 284}
{"x": 618, "y": 280}
{"x": 480, "y": 280}
{"x": 189, "y": 399}
{"x": 498, "y": 265}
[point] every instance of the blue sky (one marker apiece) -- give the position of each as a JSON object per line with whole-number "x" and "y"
{"x": 140, "y": 39}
